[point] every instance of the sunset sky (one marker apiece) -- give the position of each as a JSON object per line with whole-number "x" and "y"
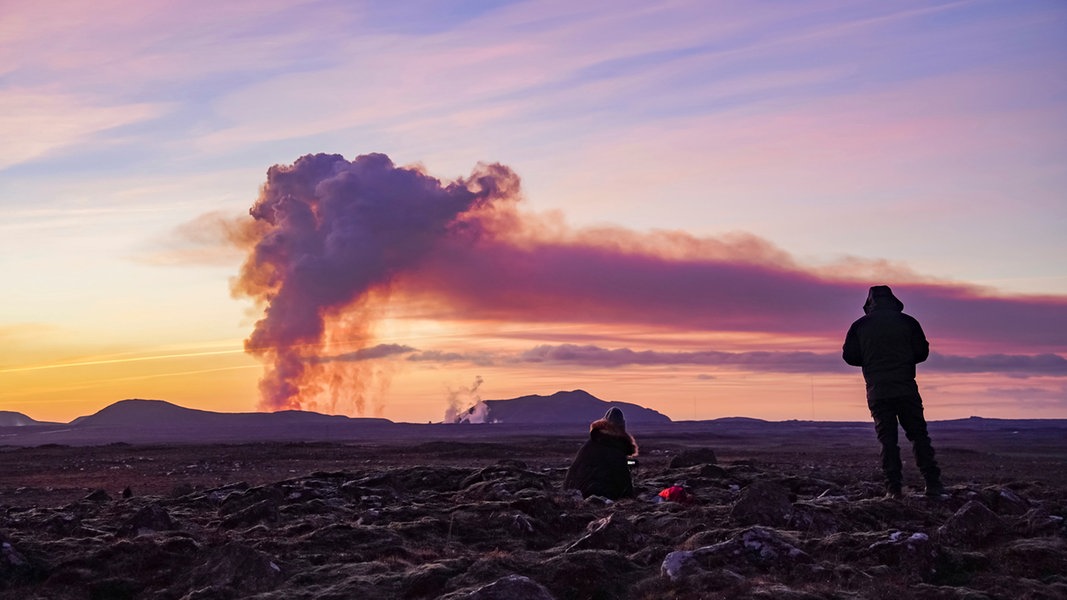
{"x": 676, "y": 204}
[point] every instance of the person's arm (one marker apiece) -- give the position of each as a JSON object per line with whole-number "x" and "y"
{"x": 851, "y": 351}
{"x": 920, "y": 347}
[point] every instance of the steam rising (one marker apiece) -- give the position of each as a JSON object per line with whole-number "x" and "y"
{"x": 465, "y": 405}
{"x": 326, "y": 235}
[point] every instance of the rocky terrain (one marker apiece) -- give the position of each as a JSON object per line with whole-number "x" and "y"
{"x": 774, "y": 515}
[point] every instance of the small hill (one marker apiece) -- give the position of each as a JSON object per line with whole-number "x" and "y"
{"x": 16, "y": 419}
{"x": 578, "y": 406}
{"x": 142, "y": 413}
{"x": 162, "y": 414}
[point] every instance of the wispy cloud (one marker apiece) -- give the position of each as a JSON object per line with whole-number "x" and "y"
{"x": 36, "y": 123}
{"x": 771, "y": 361}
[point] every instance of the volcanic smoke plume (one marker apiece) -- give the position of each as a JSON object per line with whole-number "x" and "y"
{"x": 326, "y": 235}
{"x": 333, "y": 246}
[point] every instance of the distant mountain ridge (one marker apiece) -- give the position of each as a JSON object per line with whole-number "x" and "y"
{"x": 160, "y": 413}
{"x": 563, "y": 413}
{"x": 16, "y": 419}
{"x": 576, "y": 406}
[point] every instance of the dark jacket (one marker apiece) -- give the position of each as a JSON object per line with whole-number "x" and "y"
{"x": 888, "y": 344}
{"x": 600, "y": 466}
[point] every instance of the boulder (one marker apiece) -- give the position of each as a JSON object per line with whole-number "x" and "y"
{"x": 756, "y": 549}
{"x": 680, "y": 564}
{"x": 970, "y": 526}
{"x": 241, "y": 568}
{"x": 150, "y": 518}
{"x": 692, "y": 458}
{"x": 913, "y": 554}
{"x": 763, "y": 503}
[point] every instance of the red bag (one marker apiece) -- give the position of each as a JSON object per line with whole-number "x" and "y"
{"x": 676, "y": 493}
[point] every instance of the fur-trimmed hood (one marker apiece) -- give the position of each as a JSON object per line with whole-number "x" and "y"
{"x": 605, "y": 432}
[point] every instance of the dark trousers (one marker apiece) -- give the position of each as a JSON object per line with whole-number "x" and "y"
{"x": 907, "y": 411}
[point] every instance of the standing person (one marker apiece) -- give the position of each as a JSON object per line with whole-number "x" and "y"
{"x": 600, "y": 466}
{"x": 887, "y": 344}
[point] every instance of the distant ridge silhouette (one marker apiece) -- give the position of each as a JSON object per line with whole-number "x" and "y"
{"x": 16, "y": 419}
{"x": 576, "y": 406}
{"x": 160, "y": 413}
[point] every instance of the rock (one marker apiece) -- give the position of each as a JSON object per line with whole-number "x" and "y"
{"x": 613, "y": 532}
{"x": 150, "y": 518}
{"x": 15, "y": 568}
{"x": 588, "y": 574}
{"x": 763, "y": 503}
{"x": 237, "y": 502}
{"x": 1037, "y": 558}
{"x": 911, "y": 553}
{"x": 426, "y": 580}
{"x": 777, "y": 591}
{"x": 970, "y": 526}
{"x": 264, "y": 510}
{"x": 814, "y": 518}
{"x": 692, "y": 458}
{"x": 1038, "y": 521}
{"x": 115, "y": 588}
{"x": 243, "y": 569}
{"x": 211, "y": 592}
{"x": 98, "y": 496}
{"x": 756, "y": 548}
{"x": 1004, "y": 501}
{"x": 512, "y": 587}
{"x": 679, "y": 564}
{"x": 63, "y": 523}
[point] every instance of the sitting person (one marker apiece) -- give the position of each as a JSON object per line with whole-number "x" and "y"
{"x": 600, "y": 467}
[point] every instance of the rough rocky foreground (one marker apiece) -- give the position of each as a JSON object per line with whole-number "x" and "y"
{"x": 487, "y": 520}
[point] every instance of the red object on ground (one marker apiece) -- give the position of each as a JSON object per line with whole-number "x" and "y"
{"x": 676, "y": 493}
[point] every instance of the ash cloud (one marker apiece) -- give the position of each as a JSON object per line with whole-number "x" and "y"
{"x": 736, "y": 287}
{"x": 327, "y": 234}
{"x": 331, "y": 244}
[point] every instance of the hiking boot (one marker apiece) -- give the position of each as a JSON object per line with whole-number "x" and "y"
{"x": 894, "y": 491}
{"x": 934, "y": 489}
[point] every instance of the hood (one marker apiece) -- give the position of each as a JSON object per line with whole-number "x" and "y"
{"x": 605, "y": 429}
{"x": 881, "y": 297}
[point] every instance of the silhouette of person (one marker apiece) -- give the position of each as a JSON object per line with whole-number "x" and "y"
{"x": 600, "y": 467}
{"x": 887, "y": 344}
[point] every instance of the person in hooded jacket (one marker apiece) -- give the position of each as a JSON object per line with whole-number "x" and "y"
{"x": 887, "y": 344}
{"x": 600, "y": 467}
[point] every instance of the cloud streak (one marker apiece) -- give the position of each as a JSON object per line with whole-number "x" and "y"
{"x": 786, "y": 361}
{"x": 776, "y": 361}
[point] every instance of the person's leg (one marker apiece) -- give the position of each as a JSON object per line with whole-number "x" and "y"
{"x": 914, "y": 424}
{"x": 885, "y": 427}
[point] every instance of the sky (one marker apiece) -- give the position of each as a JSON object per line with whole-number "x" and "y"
{"x": 394, "y": 209}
